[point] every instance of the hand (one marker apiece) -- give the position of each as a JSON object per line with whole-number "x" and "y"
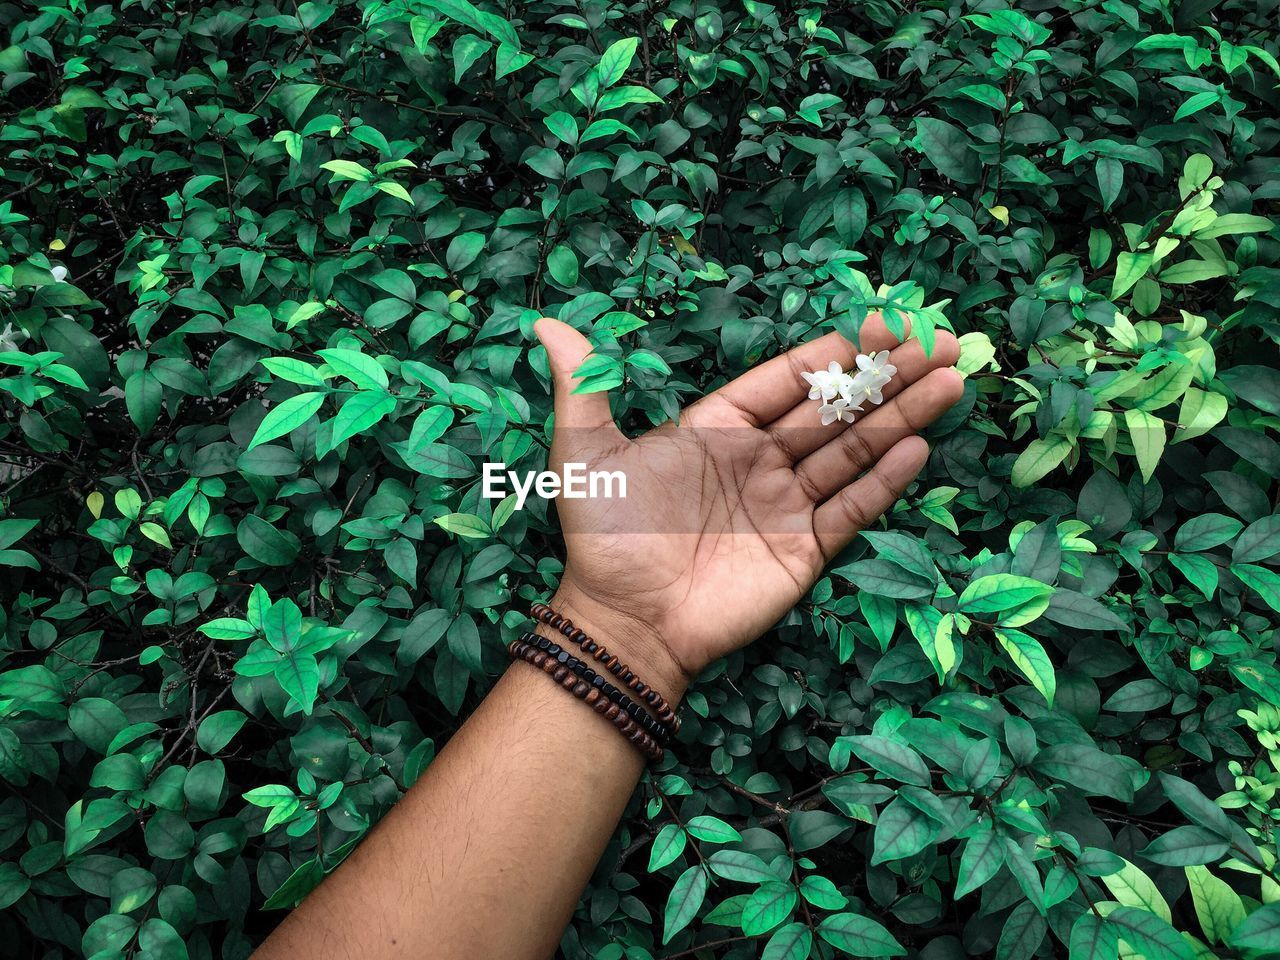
{"x": 730, "y": 515}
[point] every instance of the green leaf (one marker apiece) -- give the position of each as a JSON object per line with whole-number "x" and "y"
{"x": 979, "y": 862}
{"x": 683, "y": 902}
{"x": 667, "y": 846}
{"x": 294, "y": 370}
{"x": 1133, "y": 888}
{"x": 811, "y": 829}
{"x": 948, "y": 148}
{"x": 859, "y": 936}
{"x": 14, "y": 885}
{"x": 227, "y": 628}
{"x": 1205, "y": 532}
{"x": 299, "y": 676}
{"x": 792, "y": 942}
{"x": 740, "y": 865}
{"x": 286, "y": 417}
{"x": 463, "y": 251}
{"x": 1092, "y": 939}
{"x": 712, "y": 830}
{"x": 885, "y": 579}
{"x": 1148, "y": 934}
{"x": 768, "y": 906}
{"x": 1266, "y": 583}
{"x": 562, "y": 264}
{"x": 1148, "y": 436}
{"x": 1259, "y": 541}
{"x": 131, "y": 888}
{"x": 267, "y": 544}
{"x": 1259, "y": 931}
{"x": 624, "y": 96}
{"x": 1038, "y": 459}
{"x": 1130, "y": 268}
{"x": 347, "y": 170}
{"x": 218, "y": 729}
{"x": 896, "y": 760}
{"x": 1031, "y": 660}
{"x": 615, "y": 60}
{"x": 1014, "y": 600}
{"x": 901, "y": 831}
{"x": 365, "y": 372}
{"x": 1186, "y": 846}
{"x": 463, "y": 525}
{"x": 1088, "y": 769}
{"x": 359, "y": 413}
{"x": 95, "y": 721}
{"x": 1022, "y": 934}
{"x": 1200, "y": 571}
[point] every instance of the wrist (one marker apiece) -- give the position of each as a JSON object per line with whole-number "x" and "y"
{"x": 632, "y": 640}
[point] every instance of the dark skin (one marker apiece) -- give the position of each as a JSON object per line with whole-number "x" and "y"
{"x": 745, "y": 502}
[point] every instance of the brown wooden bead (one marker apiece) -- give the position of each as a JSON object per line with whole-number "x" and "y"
{"x": 633, "y": 732}
{"x": 662, "y": 711}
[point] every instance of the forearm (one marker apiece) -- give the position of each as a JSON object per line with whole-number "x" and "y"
{"x": 488, "y": 853}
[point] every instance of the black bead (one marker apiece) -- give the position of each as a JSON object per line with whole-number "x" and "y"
{"x": 599, "y": 682}
{"x": 589, "y": 675}
{"x": 561, "y": 655}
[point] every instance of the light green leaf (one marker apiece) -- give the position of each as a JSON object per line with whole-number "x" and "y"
{"x": 859, "y": 936}
{"x": 1148, "y": 436}
{"x": 1031, "y": 660}
{"x": 686, "y": 897}
{"x": 1040, "y": 457}
{"x": 615, "y": 60}
{"x": 287, "y": 416}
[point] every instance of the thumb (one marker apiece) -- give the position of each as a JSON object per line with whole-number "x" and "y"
{"x": 566, "y": 349}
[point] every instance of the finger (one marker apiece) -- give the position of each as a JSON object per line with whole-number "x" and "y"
{"x": 766, "y": 392}
{"x": 855, "y": 449}
{"x": 799, "y": 432}
{"x": 858, "y": 505}
{"x": 566, "y": 350}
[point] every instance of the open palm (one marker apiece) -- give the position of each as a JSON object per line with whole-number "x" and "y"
{"x": 730, "y": 516}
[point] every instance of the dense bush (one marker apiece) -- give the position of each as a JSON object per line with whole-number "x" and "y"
{"x": 268, "y": 280}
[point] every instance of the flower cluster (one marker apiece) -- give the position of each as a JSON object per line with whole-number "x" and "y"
{"x": 843, "y": 394}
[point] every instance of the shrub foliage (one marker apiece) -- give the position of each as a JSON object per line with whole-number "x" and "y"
{"x": 269, "y": 273}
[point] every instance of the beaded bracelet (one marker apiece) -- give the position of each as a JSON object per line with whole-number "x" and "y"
{"x": 583, "y": 671}
{"x": 591, "y": 695}
{"x": 664, "y": 711}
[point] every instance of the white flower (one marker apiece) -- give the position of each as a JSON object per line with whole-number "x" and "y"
{"x": 11, "y": 337}
{"x": 824, "y": 384}
{"x": 59, "y": 272}
{"x": 842, "y": 394}
{"x": 867, "y": 386}
{"x": 841, "y": 409}
{"x": 845, "y": 385}
{"x": 877, "y": 364}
